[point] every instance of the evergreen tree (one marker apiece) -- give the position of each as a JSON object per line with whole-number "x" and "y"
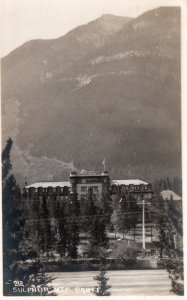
{"x": 105, "y": 204}
{"x": 16, "y": 271}
{"x": 159, "y": 218}
{"x": 98, "y": 231}
{"x": 73, "y": 227}
{"x": 174, "y": 184}
{"x": 94, "y": 223}
{"x": 34, "y": 225}
{"x": 89, "y": 209}
{"x": 169, "y": 223}
{"x": 127, "y": 212}
{"x": 13, "y": 224}
{"x": 62, "y": 235}
{"x": 114, "y": 222}
{"x": 103, "y": 287}
{"x": 97, "y": 234}
{"x": 6, "y": 163}
{"x": 46, "y": 235}
{"x": 177, "y": 185}
{"x": 75, "y": 205}
{"x": 73, "y": 238}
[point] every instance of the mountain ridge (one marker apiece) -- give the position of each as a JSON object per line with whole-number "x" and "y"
{"x": 112, "y": 103}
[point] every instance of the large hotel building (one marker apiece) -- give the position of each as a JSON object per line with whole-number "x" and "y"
{"x": 99, "y": 183}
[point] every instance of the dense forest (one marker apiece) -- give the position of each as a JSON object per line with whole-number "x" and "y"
{"x": 51, "y": 227}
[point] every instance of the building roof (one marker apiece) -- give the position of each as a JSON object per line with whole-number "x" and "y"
{"x": 88, "y": 175}
{"x": 84, "y": 173}
{"x": 167, "y": 194}
{"x": 47, "y": 184}
{"x": 129, "y": 181}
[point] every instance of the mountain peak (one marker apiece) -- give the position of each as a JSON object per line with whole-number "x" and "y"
{"x": 93, "y": 93}
{"x": 107, "y": 16}
{"x": 162, "y": 12}
{"x": 110, "y": 17}
{"x": 111, "y": 23}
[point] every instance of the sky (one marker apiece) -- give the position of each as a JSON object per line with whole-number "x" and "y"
{"x": 24, "y": 20}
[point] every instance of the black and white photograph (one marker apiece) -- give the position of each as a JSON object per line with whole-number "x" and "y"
{"x": 91, "y": 143}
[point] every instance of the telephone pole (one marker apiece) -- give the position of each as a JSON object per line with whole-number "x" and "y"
{"x": 142, "y": 202}
{"x": 143, "y": 227}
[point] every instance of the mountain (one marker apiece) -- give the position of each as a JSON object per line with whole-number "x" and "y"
{"x": 57, "y": 55}
{"x": 109, "y": 89}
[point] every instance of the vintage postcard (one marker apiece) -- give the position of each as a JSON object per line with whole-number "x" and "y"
{"x": 92, "y": 104}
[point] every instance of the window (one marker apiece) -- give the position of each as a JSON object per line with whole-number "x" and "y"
{"x": 114, "y": 188}
{"x": 122, "y": 188}
{"x": 83, "y": 189}
{"x": 142, "y": 187}
{"x": 95, "y": 188}
{"x": 105, "y": 189}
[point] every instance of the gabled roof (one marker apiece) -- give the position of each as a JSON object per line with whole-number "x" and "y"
{"x": 46, "y": 184}
{"x": 168, "y": 194}
{"x": 129, "y": 181}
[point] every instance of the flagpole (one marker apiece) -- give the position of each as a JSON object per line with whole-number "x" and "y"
{"x": 104, "y": 164}
{"x": 72, "y": 166}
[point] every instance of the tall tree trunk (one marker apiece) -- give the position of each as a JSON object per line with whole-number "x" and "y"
{"x": 134, "y": 233}
{"x": 161, "y": 250}
{"x": 151, "y": 233}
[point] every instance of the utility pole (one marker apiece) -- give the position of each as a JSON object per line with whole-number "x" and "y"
{"x": 142, "y": 202}
{"x": 143, "y": 227}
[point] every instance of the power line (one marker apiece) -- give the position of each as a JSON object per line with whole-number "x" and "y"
{"x": 71, "y": 201}
{"x": 89, "y": 216}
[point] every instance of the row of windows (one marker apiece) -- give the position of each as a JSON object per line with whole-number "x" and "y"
{"x": 131, "y": 187}
{"x": 137, "y": 196}
{"x": 86, "y": 188}
{"x": 85, "y": 196}
{"x": 94, "y": 188}
{"x": 145, "y": 196}
{"x": 55, "y": 189}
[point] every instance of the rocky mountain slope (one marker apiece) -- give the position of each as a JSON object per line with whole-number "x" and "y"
{"x": 110, "y": 89}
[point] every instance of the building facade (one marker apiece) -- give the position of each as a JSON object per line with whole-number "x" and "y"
{"x": 138, "y": 188}
{"x": 99, "y": 183}
{"x": 85, "y": 181}
{"x": 47, "y": 188}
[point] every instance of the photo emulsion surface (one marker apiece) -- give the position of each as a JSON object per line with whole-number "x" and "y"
{"x": 91, "y": 150}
